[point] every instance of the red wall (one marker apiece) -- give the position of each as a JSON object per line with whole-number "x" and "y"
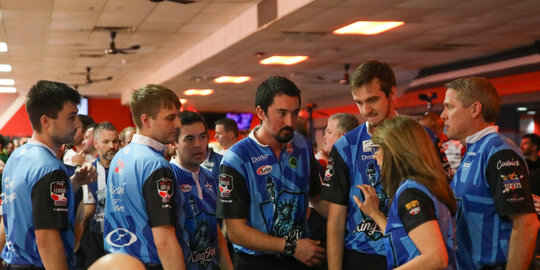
{"x": 19, "y": 125}
{"x": 110, "y": 109}
{"x": 100, "y": 109}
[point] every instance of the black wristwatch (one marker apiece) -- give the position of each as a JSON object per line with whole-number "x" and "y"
{"x": 290, "y": 246}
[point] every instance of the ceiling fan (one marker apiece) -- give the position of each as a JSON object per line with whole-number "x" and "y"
{"x": 113, "y": 50}
{"x": 89, "y": 79}
{"x": 185, "y": 2}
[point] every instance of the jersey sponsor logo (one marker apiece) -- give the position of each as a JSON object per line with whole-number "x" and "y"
{"x": 203, "y": 258}
{"x": 118, "y": 206}
{"x": 507, "y": 163}
{"x": 117, "y": 190}
{"x": 370, "y": 228}
{"x": 264, "y": 170}
{"x": 225, "y": 185}
{"x": 119, "y": 166}
{"x": 164, "y": 188}
{"x": 290, "y": 149}
{"x": 413, "y": 207}
{"x": 120, "y": 238}
{"x": 367, "y": 146}
{"x": 7, "y": 198}
{"x": 293, "y": 162}
{"x": 259, "y": 158}
{"x": 364, "y": 157}
{"x": 329, "y": 171}
{"x": 185, "y": 188}
{"x": 512, "y": 183}
{"x": 58, "y": 190}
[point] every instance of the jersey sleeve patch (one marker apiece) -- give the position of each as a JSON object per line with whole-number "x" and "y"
{"x": 415, "y": 208}
{"x": 508, "y": 179}
{"x": 337, "y": 182}
{"x": 50, "y": 203}
{"x": 233, "y": 196}
{"x": 158, "y": 193}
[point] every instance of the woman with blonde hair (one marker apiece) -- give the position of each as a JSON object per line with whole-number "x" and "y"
{"x": 420, "y": 224}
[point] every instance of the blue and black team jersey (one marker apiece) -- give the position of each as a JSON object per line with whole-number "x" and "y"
{"x": 212, "y": 162}
{"x": 351, "y": 163}
{"x": 413, "y": 205}
{"x": 141, "y": 194}
{"x": 200, "y": 225}
{"x": 490, "y": 184}
{"x": 270, "y": 192}
{"x": 37, "y": 195}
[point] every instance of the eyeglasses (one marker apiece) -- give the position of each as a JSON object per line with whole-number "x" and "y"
{"x": 375, "y": 148}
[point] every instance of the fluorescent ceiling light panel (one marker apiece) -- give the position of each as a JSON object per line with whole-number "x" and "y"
{"x": 232, "y": 79}
{"x": 283, "y": 60}
{"x": 522, "y": 109}
{"x": 198, "y": 92}
{"x": 367, "y": 28}
{"x": 5, "y": 68}
{"x": 7, "y": 82}
{"x": 8, "y": 89}
{"x": 3, "y": 47}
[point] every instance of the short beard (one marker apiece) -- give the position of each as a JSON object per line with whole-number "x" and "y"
{"x": 287, "y": 137}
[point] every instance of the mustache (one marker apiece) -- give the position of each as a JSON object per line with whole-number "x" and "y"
{"x": 289, "y": 129}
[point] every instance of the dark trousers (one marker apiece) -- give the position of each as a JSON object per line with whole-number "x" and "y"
{"x": 354, "y": 260}
{"x": 267, "y": 262}
{"x": 21, "y": 266}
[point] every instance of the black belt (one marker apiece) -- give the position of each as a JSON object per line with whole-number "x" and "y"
{"x": 22, "y": 266}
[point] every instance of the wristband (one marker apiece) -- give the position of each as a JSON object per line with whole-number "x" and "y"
{"x": 290, "y": 246}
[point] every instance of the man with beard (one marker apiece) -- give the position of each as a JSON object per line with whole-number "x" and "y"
{"x": 353, "y": 238}
{"x": 38, "y": 196}
{"x": 106, "y": 142}
{"x": 142, "y": 195}
{"x": 206, "y": 247}
{"x": 265, "y": 181}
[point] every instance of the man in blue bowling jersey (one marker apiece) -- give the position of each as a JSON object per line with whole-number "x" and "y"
{"x": 107, "y": 143}
{"x": 205, "y": 245}
{"x": 142, "y": 199}
{"x": 38, "y": 204}
{"x": 265, "y": 181}
{"x": 495, "y": 223}
{"x": 353, "y": 238}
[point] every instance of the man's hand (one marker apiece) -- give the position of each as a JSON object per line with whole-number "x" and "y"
{"x": 78, "y": 158}
{"x": 84, "y": 175}
{"x": 309, "y": 252}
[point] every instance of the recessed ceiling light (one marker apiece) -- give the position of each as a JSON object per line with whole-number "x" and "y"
{"x": 3, "y": 47}
{"x": 367, "y": 27}
{"x": 198, "y": 92}
{"x": 522, "y": 109}
{"x": 283, "y": 60}
{"x": 5, "y": 68}
{"x": 531, "y": 112}
{"x": 7, "y": 89}
{"x": 7, "y": 82}
{"x": 232, "y": 79}
{"x": 183, "y": 100}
